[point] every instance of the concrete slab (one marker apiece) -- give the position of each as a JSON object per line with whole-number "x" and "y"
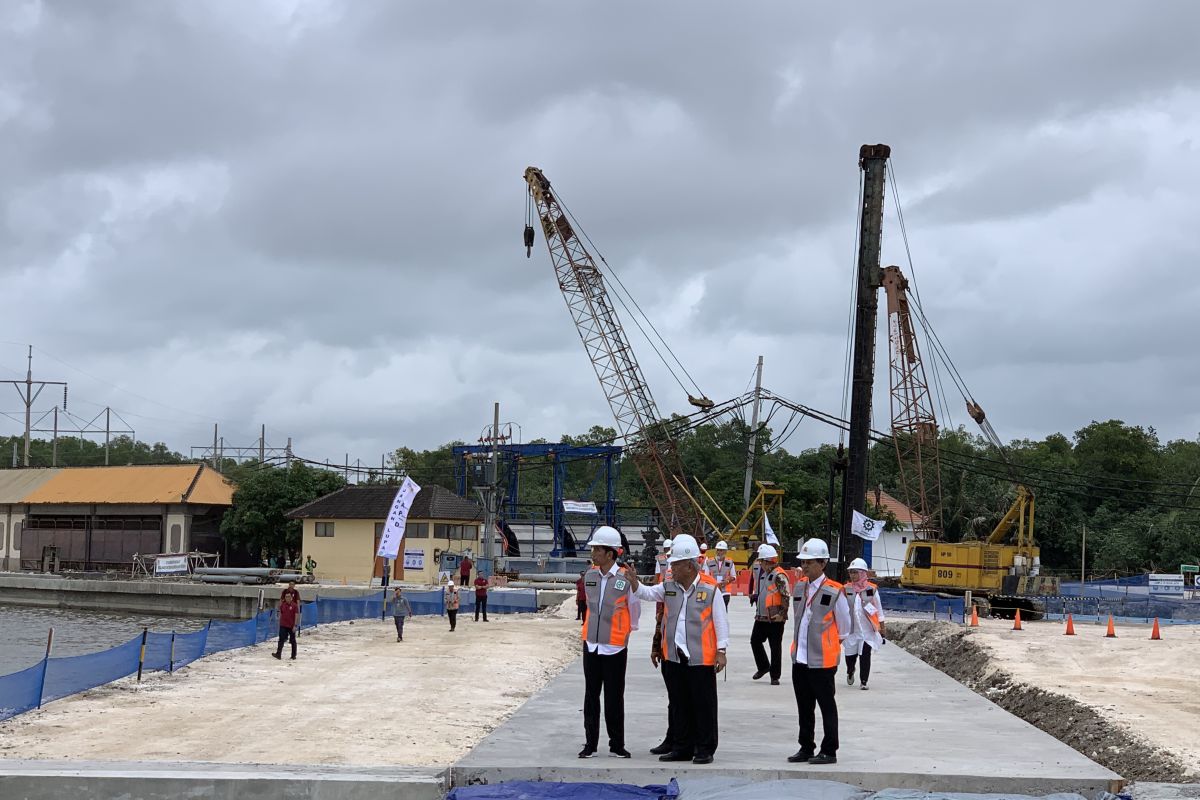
{"x": 53, "y": 780}
{"x": 915, "y": 729}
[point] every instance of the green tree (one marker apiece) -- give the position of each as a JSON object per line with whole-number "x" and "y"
{"x": 262, "y": 498}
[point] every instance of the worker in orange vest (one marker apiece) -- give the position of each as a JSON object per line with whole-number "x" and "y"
{"x": 695, "y": 634}
{"x": 770, "y": 614}
{"x": 612, "y": 614}
{"x": 822, "y": 622}
{"x": 723, "y": 570}
{"x": 867, "y": 630}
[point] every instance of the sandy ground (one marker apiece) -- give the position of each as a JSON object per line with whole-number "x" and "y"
{"x": 354, "y": 696}
{"x": 1153, "y": 687}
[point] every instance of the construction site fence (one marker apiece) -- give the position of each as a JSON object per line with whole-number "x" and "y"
{"x": 937, "y": 606}
{"x": 1133, "y": 607}
{"x": 55, "y": 677}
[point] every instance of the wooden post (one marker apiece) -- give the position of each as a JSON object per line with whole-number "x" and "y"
{"x": 171, "y": 662}
{"x": 142, "y": 653}
{"x": 45, "y": 664}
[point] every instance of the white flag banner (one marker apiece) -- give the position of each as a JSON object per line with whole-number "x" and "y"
{"x": 393, "y": 529}
{"x": 768, "y": 532}
{"x": 865, "y": 527}
{"x": 579, "y": 507}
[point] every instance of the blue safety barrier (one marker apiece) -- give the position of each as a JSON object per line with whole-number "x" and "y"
{"x": 512, "y": 601}
{"x": 21, "y": 691}
{"x": 1132, "y": 607}
{"x": 73, "y": 674}
{"x": 189, "y": 647}
{"x": 923, "y": 603}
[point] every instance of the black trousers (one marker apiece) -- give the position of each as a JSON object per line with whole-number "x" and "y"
{"x": 771, "y": 633}
{"x": 580, "y": 609}
{"x": 864, "y": 669}
{"x": 462, "y": 579}
{"x": 453, "y": 615}
{"x": 481, "y": 605}
{"x": 727, "y": 601}
{"x": 814, "y": 687}
{"x": 399, "y": 626}
{"x": 604, "y": 674}
{"x": 286, "y": 634}
{"x": 692, "y": 707}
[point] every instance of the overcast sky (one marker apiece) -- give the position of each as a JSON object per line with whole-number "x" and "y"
{"x": 308, "y": 214}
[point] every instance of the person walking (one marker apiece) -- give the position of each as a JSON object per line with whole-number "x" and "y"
{"x": 452, "y": 603}
{"x": 822, "y": 622}
{"x": 464, "y": 569}
{"x": 695, "y": 635}
{"x": 401, "y": 610}
{"x": 612, "y": 614}
{"x": 580, "y": 598}
{"x": 289, "y": 620}
{"x": 703, "y": 559}
{"x": 770, "y": 614}
{"x": 867, "y": 630}
{"x": 481, "y": 597}
{"x": 723, "y": 570}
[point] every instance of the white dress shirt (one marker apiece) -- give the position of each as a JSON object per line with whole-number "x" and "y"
{"x": 656, "y": 594}
{"x": 635, "y": 611}
{"x": 841, "y": 615}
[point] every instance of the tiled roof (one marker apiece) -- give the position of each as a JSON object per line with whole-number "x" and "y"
{"x": 133, "y": 485}
{"x": 903, "y": 513}
{"x": 374, "y": 502}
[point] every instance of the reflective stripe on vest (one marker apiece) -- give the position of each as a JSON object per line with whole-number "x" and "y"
{"x": 698, "y": 624}
{"x": 870, "y": 595}
{"x": 607, "y": 619}
{"x": 770, "y": 596}
{"x": 823, "y": 640}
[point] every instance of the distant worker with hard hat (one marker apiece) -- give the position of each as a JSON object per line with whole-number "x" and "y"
{"x": 694, "y": 637}
{"x": 703, "y": 559}
{"x": 867, "y": 630}
{"x": 656, "y": 652}
{"x": 770, "y": 614}
{"x": 662, "y": 562}
{"x": 822, "y": 622}
{"x": 723, "y": 570}
{"x": 612, "y": 613}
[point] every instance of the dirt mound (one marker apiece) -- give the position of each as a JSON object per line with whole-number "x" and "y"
{"x": 948, "y": 648}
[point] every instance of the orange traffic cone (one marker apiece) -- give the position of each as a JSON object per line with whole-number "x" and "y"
{"x": 1154, "y": 634}
{"x": 1017, "y": 621}
{"x": 1070, "y": 631}
{"x": 1112, "y": 631}
{"x": 974, "y": 617}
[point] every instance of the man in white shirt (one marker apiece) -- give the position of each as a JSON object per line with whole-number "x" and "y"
{"x": 695, "y": 635}
{"x": 612, "y": 614}
{"x": 822, "y": 621}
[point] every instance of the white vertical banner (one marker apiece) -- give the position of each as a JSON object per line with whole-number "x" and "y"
{"x": 769, "y": 532}
{"x": 393, "y": 529}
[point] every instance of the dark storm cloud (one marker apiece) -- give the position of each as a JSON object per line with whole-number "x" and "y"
{"x": 308, "y": 213}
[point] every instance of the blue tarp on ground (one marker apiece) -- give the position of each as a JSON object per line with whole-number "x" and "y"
{"x": 550, "y": 790}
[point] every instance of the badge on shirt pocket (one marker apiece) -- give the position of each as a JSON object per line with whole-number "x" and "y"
{"x": 670, "y": 593}
{"x": 621, "y": 585}
{"x": 591, "y": 583}
{"x": 870, "y": 592}
{"x": 701, "y": 596}
{"x": 825, "y": 599}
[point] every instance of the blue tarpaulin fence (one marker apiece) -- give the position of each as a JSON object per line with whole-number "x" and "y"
{"x": 922, "y": 602}
{"x": 57, "y": 677}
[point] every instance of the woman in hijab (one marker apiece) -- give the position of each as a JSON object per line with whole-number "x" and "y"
{"x": 866, "y": 623}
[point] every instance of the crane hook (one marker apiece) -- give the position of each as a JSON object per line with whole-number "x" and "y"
{"x": 528, "y": 241}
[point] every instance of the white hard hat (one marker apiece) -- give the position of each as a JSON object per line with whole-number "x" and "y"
{"x": 858, "y": 563}
{"x": 604, "y": 536}
{"x": 722, "y": 546}
{"x": 685, "y": 548}
{"x": 767, "y": 551}
{"x": 813, "y": 549}
{"x": 703, "y": 547}
{"x": 667, "y": 544}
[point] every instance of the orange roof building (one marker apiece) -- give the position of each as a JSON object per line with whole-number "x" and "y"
{"x": 96, "y": 518}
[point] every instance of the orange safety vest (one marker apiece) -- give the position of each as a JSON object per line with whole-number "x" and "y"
{"x": 698, "y": 624}
{"x": 607, "y": 620}
{"x": 823, "y": 639}
{"x": 770, "y": 596}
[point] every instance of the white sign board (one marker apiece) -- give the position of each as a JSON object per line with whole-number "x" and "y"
{"x": 171, "y": 565}
{"x": 579, "y": 507}
{"x": 414, "y": 559}
{"x": 1166, "y": 585}
{"x": 393, "y": 529}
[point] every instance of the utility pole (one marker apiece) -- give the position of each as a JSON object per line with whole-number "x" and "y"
{"x": 107, "y": 431}
{"x": 29, "y": 396}
{"x": 489, "y": 523}
{"x": 1083, "y": 562}
{"x": 872, "y": 160}
{"x": 54, "y": 445}
{"x": 216, "y": 464}
{"x": 750, "y": 451}
{"x": 262, "y": 444}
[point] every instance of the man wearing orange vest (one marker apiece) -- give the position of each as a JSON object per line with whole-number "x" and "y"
{"x": 822, "y": 622}
{"x": 770, "y": 614}
{"x": 694, "y": 636}
{"x": 612, "y": 613}
{"x": 866, "y": 622}
{"x": 723, "y": 570}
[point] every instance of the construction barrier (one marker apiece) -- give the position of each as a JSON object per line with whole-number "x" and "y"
{"x": 57, "y": 677}
{"x": 1131, "y": 607}
{"x": 937, "y": 606}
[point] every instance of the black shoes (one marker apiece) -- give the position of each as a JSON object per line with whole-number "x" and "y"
{"x": 587, "y": 752}
{"x": 823, "y": 758}
{"x": 774, "y": 681}
{"x": 849, "y": 678}
{"x": 276, "y": 656}
{"x": 662, "y": 749}
{"x": 759, "y": 674}
{"x": 676, "y": 756}
{"x": 702, "y": 760}
{"x": 799, "y": 757}
{"x": 619, "y": 752}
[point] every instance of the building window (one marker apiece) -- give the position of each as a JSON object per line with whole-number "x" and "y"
{"x": 416, "y": 530}
{"x": 454, "y": 533}
{"x": 903, "y": 540}
{"x": 324, "y": 529}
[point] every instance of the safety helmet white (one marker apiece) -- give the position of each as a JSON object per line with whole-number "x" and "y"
{"x": 767, "y": 551}
{"x": 666, "y": 544}
{"x": 685, "y": 548}
{"x": 604, "y": 536}
{"x": 858, "y": 563}
{"x": 703, "y": 547}
{"x": 722, "y": 546}
{"x": 813, "y": 549}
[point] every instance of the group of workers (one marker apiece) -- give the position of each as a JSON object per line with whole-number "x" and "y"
{"x": 691, "y": 639}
